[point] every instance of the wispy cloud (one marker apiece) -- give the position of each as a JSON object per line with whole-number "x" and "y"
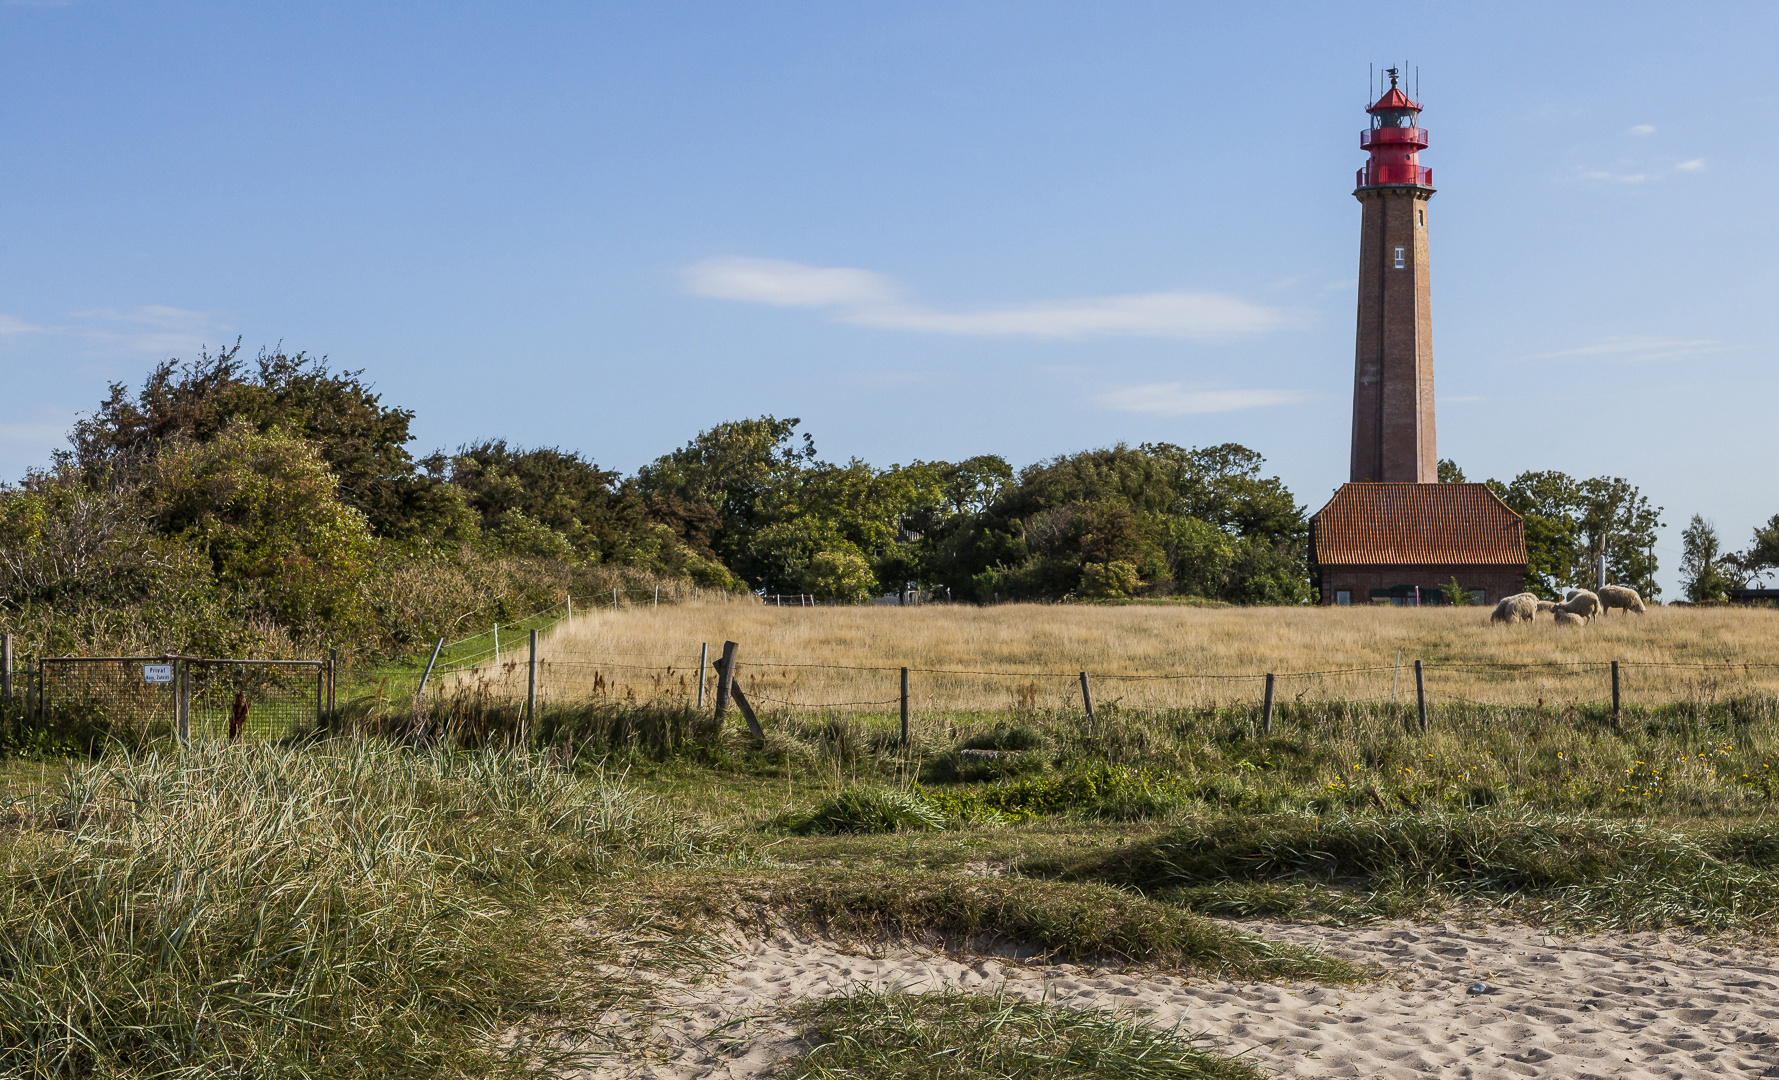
{"x": 1634, "y": 348}
{"x": 1640, "y": 176}
{"x": 1643, "y": 129}
{"x": 152, "y": 329}
{"x": 865, "y": 298}
{"x": 10, "y": 326}
{"x": 1185, "y": 399}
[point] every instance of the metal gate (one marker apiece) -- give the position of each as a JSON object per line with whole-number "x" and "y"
{"x": 191, "y": 697}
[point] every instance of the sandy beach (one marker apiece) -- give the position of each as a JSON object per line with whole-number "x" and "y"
{"x": 1628, "y": 1006}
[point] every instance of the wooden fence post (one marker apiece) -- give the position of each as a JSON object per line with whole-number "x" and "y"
{"x": 182, "y": 704}
{"x": 1266, "y": 710}
{"x": 1615, "y": 689}
{"x": 1087, "y": 696}
{"x": 6, "y": 668}
{"x": 725, "y": 679}
{"x": 1421, "y": 696}
{"x": 531, "y": 686}
{"x": 904, "y": 708}
{"x": 703, "y": 662}
{"x": 333, "y": 678}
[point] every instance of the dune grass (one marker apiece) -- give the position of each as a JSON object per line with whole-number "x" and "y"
{"x": 349, "y": 910}
{"x": 1572, "y": 870}
{"x": 959, "y": 1036}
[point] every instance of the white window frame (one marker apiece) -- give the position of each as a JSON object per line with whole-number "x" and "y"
{"x": 1401, "y": 257}
{"x": 1343, "y": 598}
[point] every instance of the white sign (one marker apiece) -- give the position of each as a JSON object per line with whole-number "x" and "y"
{"x": 157, "y": 673}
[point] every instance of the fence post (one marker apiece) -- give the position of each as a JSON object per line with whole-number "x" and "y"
{"x": 1266, "y": 710}
{"x": 333, "y": 678}
{"x": 657, "y": 602}
{"x": 1421, "y": 696}
{"x": 427, "y": 674}
{"x": 6, "y": 668}
{"x": 570, "y": 604}
{"x": 703, "y": 661}
{"x": 182, "y": 704}
{"x": 725, "y": 677}
{"x": 1087, "y": 696}
{"x": 531, "y": 685}
{"x": 1615, "y": 689}
{"x": 904, "y": 708}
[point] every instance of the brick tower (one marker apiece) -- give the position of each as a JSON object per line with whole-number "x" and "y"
{"x": 1393, "y": 363}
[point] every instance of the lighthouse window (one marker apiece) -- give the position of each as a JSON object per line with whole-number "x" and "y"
{"x": 1423, "y": 216}
{"x": 1400, "y": 264}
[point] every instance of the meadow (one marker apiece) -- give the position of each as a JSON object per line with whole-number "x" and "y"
{"x": 984, "y": 660}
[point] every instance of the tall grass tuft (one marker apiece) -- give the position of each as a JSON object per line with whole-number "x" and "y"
{"x": 354, "y": 909}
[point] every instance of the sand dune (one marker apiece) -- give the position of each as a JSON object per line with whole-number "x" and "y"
{"x": 1611, "y": 1005}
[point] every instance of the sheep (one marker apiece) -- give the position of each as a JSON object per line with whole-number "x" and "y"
{"x": 1515, "y": 609}
{"x": 1620, "y": 596}
{"x": 1546, "y": 606}
{"x": 1568, "y": 618}
{"x": 1580, "y": 602}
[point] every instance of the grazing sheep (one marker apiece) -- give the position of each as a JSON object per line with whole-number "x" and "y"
{"x": 1547, "y": 605}
{"x": 1568, "y": 618}
{"x": 1620, "y": 596}
{"x": 1581, "y": 602}
{"x": 1511, "y": 609}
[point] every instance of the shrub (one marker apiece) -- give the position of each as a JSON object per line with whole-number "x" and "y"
{"x": 870, "y": 810}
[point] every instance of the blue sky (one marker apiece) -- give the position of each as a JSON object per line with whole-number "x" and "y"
{"x": 929, "y": 230}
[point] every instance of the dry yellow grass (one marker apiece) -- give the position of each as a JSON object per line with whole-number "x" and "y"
{"x": 827, "y": 656}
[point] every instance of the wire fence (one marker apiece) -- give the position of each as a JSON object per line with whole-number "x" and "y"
{"x": 803, "y": 686}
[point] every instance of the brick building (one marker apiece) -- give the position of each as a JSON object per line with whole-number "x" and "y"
{"x": 1403, "y": 543}
{"x": 1395, "y": 532}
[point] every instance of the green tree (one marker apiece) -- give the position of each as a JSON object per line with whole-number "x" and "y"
{"x": 1762, "y": 556}
{"x": 1705, "y": 570}
{"x": 1569, "y": 522}
{"x": 1449, "y": 473}
{"x": 264, "y": 509}
{"x": 361, "y": 441}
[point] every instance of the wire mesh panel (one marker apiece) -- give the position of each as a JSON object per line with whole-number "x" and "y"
{"x": 254, "y": 699}
{"x": 113, "y": 695}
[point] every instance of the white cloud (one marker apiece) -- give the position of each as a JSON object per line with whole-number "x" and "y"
{"x": 1691, "y": 166}
{"x": 152, "y": 329}
{"x": 1635, "y": 348}
{"x": 1643, "y": 177}
{"x": 787, "y": 284}
{"x": 864, "y": 298}
{"x": 1643, "y": 129}
{"x": 1183, "y": 399}
{"x": 10, "y": 326}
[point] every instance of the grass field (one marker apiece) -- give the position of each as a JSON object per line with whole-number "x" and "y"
{"x": 847, "y": 657}
{"x": 474, "y": 906}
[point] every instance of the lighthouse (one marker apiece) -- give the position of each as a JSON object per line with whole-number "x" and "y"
{"x": 1393, "y": 431}
{"x": 1394, "y": 534}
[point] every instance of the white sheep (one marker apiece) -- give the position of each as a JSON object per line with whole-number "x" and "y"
{"x": 1568, "y": 618}
{"x": 1620, "y": 596}
{"x": 1580, "y": 602}
{"x": 1546, "y": 606}
{"x": 1518, "y": 608}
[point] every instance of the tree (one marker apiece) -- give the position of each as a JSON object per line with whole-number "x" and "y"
{"x": 1449, "y": 473}
{"x": 1569, "y": 522}
{"x": 1762, "y": 556}
{"x": 362, "y": 442}
{"x": 1704, "y": 569}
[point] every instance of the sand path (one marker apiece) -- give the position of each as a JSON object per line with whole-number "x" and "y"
{"x": 1612, "y": 1005}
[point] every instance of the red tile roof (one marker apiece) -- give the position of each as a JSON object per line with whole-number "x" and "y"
{"x": 1418, "y": 525}
{"x": 1395, "y": 99}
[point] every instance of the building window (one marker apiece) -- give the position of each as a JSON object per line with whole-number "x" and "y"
{"x": 1400, "y": 263}
{"x": 1423, "y": 214}
{"x": 1343, "y": 597}
{"x": 1476, "y": 596}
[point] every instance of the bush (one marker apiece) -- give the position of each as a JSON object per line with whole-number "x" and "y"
{"x": 869, "y": 810}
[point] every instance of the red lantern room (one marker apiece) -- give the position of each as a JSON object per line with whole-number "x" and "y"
{"x": 1394, "y": 141}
